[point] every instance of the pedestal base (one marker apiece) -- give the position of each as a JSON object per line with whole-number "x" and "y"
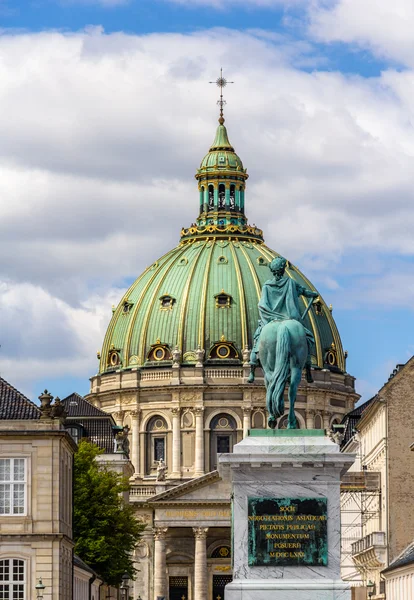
{"x": 274, "y": 589}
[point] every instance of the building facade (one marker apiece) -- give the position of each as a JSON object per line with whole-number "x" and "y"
{"x": 174, "y": 369}
{"x": 378, "y": 518}
{"x": 36, "y": 466}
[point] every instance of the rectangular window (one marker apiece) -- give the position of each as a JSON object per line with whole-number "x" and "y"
{"x": 159, "y": 448}
{"x": 12, "y": 487}
{"x": 12, "y": 579}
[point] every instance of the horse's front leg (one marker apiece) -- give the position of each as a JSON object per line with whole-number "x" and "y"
{"x": 295, "y": 378}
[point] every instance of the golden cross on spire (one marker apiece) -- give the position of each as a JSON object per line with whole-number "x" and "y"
{"x": 221, "y": 82}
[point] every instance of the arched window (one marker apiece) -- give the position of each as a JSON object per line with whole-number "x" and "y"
{"x": 222, "y": 196}
{"x": 232, "y": 197}
{"x": 259, "y": 420}
{"x": 13, "y": 578}
{"x": 156, "y": 443}
{"x": 223, "y": 437}
{"x": 202, "y": 198}
{"x": 318, "y": 422}
{"x": 210, "y": 197}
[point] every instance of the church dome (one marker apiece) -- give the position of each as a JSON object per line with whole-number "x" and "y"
{"x": 203, "y": 294}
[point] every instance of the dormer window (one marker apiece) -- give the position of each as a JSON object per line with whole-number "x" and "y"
{"x": 223, "y": 300}
{"x": 223, "y": 349}
{"x": 167, "y": 302}
{"x": 159, "y": 352}
{"x": 126, "y": 307}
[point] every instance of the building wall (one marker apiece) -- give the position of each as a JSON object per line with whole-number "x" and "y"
{"x": 399, "y": 396}
{"x": 399, "y": 583}
{"x": 179, "y": 394}
{"x": 42, "y": 536}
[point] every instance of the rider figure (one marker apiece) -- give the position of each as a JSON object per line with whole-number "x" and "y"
{"x": 279, "y": 302}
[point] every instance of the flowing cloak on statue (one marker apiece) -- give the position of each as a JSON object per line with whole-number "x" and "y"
{"x": 279, "y": 302}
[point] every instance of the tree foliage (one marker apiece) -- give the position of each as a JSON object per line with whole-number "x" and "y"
{"x": 105, "y": 528}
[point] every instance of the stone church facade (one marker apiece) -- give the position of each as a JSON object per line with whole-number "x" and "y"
{"x": 174, "y": 368}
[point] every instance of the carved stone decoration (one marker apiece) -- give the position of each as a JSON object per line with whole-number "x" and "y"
{"x": 200, "y": 352}
{"x": 187, "y": 420}
{"x": 161, "y": 468}
{"x": 200, "y": 533}
{"x": 176, "y": 356}
{"x": 336, "y": 436}
{"x": 135, "y": 414}
{"x": 246, "y": 355}
{"x": 189, "y": 396}
{"x": 45, "y": 405}
{"x": 160, "y": 533}
{"x": 119, "y": 416}
{"x": 198, "y": 410}
{"x": 141, "y": 550}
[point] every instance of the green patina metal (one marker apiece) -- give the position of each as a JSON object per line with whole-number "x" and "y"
{"x": 287, "y": 532}
{"x": 219, "y": 253}
{"x": 286, "y": 432}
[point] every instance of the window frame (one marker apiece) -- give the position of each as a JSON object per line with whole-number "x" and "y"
{"x": 12, "y": 483}
{"x": 10, "y": 585}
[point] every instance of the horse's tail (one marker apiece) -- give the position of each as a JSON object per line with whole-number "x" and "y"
{"x": 276, "y": 388}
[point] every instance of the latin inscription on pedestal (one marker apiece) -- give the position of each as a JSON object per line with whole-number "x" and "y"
{"x": 287, "y": 531}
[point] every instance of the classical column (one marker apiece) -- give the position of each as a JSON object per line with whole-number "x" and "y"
{"x": 176, "y": 443}
{"x": 246, "y": 421}
{"x": 160, "y": 562}
{"x": 135, "y": 414}
{"x": 200, "y": 563}
{"x": 199, "y": 441}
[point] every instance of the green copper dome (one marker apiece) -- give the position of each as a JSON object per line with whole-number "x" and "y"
{"x": 221, "y": 155}
{"x": 203, "y": 294}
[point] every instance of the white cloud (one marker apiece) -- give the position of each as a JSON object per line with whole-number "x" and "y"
{"x": 383, "y": 27}
{"x": 102, "y": 134}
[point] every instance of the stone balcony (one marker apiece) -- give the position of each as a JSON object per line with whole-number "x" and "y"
{"x": 370, "y": 552}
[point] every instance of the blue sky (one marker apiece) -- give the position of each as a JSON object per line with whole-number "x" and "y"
{"x": 321, "y": 112}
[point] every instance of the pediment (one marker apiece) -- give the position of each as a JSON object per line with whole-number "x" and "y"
{"x": 207, "y": 488}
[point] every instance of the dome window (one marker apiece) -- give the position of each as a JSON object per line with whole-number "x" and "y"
{"x": 223, "y": 300}
{"x": 331, "y": 357}
{"x": 318, "y": 308}
{"x": 222, "y": 260}
{"x": 167, "y": 302}
{"x": 261, "y": 261}
{"x": 126, "y": 307}
{"x": 159, "y": 352}
{"x": 223, "y": 350}
{"x": 114, "y": 359}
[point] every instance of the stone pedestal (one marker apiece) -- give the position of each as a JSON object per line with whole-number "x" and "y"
{"x": 286, "y": 516}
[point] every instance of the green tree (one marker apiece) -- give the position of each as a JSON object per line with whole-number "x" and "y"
{"x": 105, "y": 529}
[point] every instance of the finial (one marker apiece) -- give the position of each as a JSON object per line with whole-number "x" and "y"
{"x": 221, "y": 82}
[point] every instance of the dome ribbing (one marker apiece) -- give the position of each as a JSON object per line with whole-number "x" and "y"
{"x": 206, "y": 290}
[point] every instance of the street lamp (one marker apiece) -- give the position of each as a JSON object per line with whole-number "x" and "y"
{"x": 370, "y": 588}
{"x": 125, "y": 585}
{"x": 39, "y": 589}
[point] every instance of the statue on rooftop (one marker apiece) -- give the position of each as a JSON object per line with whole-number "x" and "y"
{"x": 282, "y": 343}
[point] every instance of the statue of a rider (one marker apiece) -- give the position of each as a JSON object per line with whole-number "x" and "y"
{"x": 279, "y": 302}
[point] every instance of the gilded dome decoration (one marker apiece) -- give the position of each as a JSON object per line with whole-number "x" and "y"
{"x": 226, "y": 264}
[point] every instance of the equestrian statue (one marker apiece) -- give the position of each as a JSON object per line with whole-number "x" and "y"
{"x": 282, "y": 344}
